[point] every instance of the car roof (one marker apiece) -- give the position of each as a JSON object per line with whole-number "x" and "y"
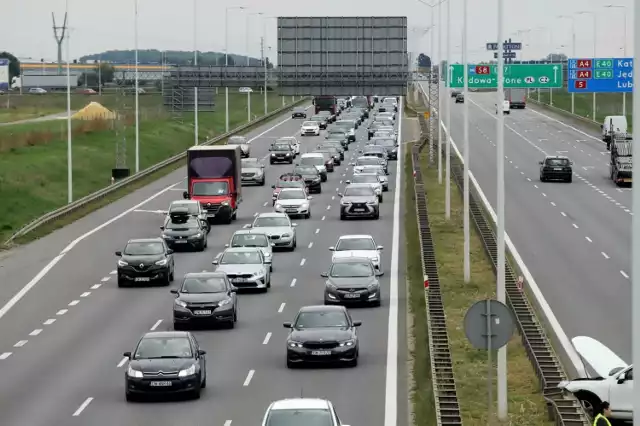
{"x": 204, "y": 274}
{"x": 312, "y": 154}
{"x": 352, "y": 259}
{"x": 272, "y": 214}
{"x": 165, "y": 334}
{"x": 556, "y": 157}
{"x": 145, "y": 240}
{"x": 300, "y": 404}
{"x": 323, "y": 308}
{"x": 177, "y": 202}
{"x": 290, "y": 189}
{"x": 248, "y": 231}
{"x": 373, "y": 148}
{"x": 359, "y": 185}
{"x": 354, "y": 237}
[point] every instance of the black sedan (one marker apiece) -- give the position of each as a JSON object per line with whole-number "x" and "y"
{"x": 185, "y": 232}
{"x": 299, "y": 113}
{"x": 145, "y": 260}
{"x": 322, "y": 334}
{"x": 352, "y": 280}
{"x": 556, "y": 167}
{"x": 205, "y": 298}
{"x": 311, "y": 176}
{"x": 166, "y": 362}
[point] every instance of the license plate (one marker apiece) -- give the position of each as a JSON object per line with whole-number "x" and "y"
{"x": 202, "y": 312}
{"x": 292, "y": 211}
{"x": 211, "y": 215}
{"x": 162, "y": 383}
{"x": 352, "y": 296}
{"x": 558, "y": 169}
{"x": 139, "y": 279}
{"x": 238, "y": 280}
{"x": 180, "y": 241}
{"x": 358, "y": 210}
{"x": 320, "y": 352}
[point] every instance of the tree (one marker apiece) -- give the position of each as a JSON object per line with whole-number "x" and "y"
{"x": 105, "y": 71}
{"x": 424, "y": 61}
{"x": 14, "y": 65}
{"x": 556, "y": 57}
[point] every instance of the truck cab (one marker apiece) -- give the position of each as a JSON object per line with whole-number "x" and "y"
{"x": 214, "y": 180}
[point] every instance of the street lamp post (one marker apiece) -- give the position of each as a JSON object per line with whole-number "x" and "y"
{"x": 195, "y": 64}
{"x": 635, "y": 224}
{"x": 249, "y": 15}
{"x": 573, "y": 49}
{"x": 447, "y": 159}
{"x": 624, "y": 46}
{"x": 226, "y": 61}
{"x": 595, "y": 48}
{"x": 440, "y": 75}
{"x": 465, "y": 214}
{"x": 137, "y": 89}
{"x": 69, "y": 133}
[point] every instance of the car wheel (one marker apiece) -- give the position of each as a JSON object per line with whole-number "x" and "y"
{"x": 171, "y": 275}
{"x": 204, "y": 382}
{"x": 342, "y": 217}
{"x": 319, "y": 191}
{"x": 201, "y": 247}
{"x": 263, "y": 182}
{"x": 381, "y": 199}
{"x": 129, "y": 397}
{"x": 377, "y": 216}
{"x": 290, "y": 364}
{"x": 167, "y": 280}
{"x": 270, "y": 268}
{"x": 570, "y": 179}
{"x": 177, "y": 326}
{"x": 291, "y": 161}
{"x": 542, "y": 178}
{"x": 196, "y": 392}
{"x": 307, "y": 216}
{"x": 271, "y": 162}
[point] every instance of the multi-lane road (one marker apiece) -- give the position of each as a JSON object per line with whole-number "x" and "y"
{"x": 64, "y": 324}
{"x": 574, "y": 238}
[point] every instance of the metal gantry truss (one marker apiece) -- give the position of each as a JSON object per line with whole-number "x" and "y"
{"x": 434, "y": 119}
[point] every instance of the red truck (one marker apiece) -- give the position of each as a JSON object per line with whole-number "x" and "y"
{"x": 213, "y": 178}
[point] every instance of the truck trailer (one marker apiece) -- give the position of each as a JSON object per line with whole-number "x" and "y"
{"x": 517, "y": 98}
{"x": 47, "y": 82}
{"x": 621, "y": 165}
{"x": 213, "y": 179}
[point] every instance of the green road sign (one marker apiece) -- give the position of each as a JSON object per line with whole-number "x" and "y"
{"x": 516, "y": 76}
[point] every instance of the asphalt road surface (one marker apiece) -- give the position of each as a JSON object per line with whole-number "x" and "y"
{"x": 573, "y": 237}
{"x": 62, "y": 337}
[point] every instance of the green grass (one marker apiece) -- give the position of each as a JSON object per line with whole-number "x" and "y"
{"x": 606, "y": 103}
{"x": 421, "y": 387}
{"x": 526, "y": 405}
{"x": 33, "y": 179}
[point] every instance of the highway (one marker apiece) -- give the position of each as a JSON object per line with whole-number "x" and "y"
{"x": 573, "y": 237}
{"x": 61, "y": 340}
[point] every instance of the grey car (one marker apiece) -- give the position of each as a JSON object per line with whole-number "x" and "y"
{"x": 246, "y": 267}
{"x": 188, "y": 232}
{"x": 359, "y": 200}
{"x": 252, "y": 172}
{"x": 278, "y": 226}
{"x": 245, "y": 148}
{"x": 352, "y": 280}
{"x": 253, "y": 238}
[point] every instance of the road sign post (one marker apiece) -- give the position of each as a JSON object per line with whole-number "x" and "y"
{"x": 516, "y": 76}
{"x": 600, "y": 75}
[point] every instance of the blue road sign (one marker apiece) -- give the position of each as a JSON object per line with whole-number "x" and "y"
{"x": 505, "y": 46}
{"x": 600, "y": 75}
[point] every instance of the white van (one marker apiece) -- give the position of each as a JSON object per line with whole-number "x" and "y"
{"x": 613, "y": 123}
{"x": 506, "y": 107}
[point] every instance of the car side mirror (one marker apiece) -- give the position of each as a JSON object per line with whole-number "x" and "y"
{"x": 226, "y": 246}
{"x": 380, "y": 248}
{"x": 294, "y": 225}
{"x": 541, "y": 162}
{"x": 324, "y": 274}
{"x": 340, "y": 194}
{"x": 214, "y": 262}
{"x": 287, "y": 325}
{"x": 348, "y": 182}
{"x": 202, "y": 352}
{"x": 173, "y": 291}
{"x": 169, "y": 251}
{"x": 233, "y": 289}
{"x": 185, "y": 195}
{"x": 601, "y": 126}
{"x": 127, "y": 355}
{"x": 332, "y": 248}
{"x": 309, "y": 197}
{"x": 119, "y": 253}
{"x": 357, "y": 323}
{"x": 162, "y": 228}
{"x": 379, "y": 273}
{"x": 267, "y": 261}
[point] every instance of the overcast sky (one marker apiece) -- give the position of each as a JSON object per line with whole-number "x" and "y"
{"x": 168, "y": 25}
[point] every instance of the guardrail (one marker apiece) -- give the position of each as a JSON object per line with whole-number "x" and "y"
{"x": 442, "y": 377}
{"x": 564, "y": 409}
{"x": 563, "y": 112}
{"x": 78, "y": 204}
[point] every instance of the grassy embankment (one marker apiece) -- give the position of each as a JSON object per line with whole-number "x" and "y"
{"x": 33, "y": 157}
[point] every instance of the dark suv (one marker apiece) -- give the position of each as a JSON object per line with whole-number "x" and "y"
{"x": 556, "y": 168}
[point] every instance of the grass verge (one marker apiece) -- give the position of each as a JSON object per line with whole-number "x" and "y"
{"x": 33, "y": 179}
{"x": 420, "y": 387}
{"x": 526, "y": 404}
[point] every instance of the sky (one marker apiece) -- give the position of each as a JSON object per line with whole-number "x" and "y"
{"x": 26, "y": 28}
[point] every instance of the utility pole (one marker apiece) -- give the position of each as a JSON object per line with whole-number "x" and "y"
{"x": 264, "y": 64}
{"x": 59, "y": 36}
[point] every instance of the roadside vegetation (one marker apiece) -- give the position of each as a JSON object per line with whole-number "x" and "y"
{"x": 606, "y": 103}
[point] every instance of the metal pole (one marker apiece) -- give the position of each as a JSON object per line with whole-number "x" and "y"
{"x": 263, "y": 43}
{"x": 100, "y": 77}
{"x": 501, "y": 293}
{"x": 69, "y": 132}
{"x": 440, "y": 76}
{"x": 624, "y": 53}
{"x": 226, "y": 64}
{"x": 573, "y": 42}
{"x": 432, "y": 117}
{"x": 635, "y": 223}
{"x": 248, "y": 24}
{"x": 195, "y": 63}
{"x": 465, "y": 62}
{"x": 489, "y": 361}
{"x": 447, "y": 187}
{"x": 595, "y": 43}
{"x": 137, "y": 92}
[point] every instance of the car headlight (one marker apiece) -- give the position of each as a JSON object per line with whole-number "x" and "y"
{"x": 122, "y": 263}
{"x": 188, "y": 371}
{"x": 163, "y": 235}
{"x": 198, "y": 235}
{"x": 180, "y": 303}
{"x": 278, "y": 206}
{"x": 331, "y": 286}
{"x": 293, "y": 344}
{"x": 345, "y": 203}
{"x": 273, "y": 154}
{"x": 259, "y": 274}
{"x": 134, "y": 373}
{"x": 267, "y": 254}
{"x": 225, "y": 203}
{"x": 287, "y": 154}
{"x": 349, "y": 342}
{"x": 161, "y": 262}
{"x": 305, "y": 205}
{"x": 287, "y": 235}
{"x": 373, "y": 287}
{"x": 224, "y": 302}
{"x": 372, "y": 203}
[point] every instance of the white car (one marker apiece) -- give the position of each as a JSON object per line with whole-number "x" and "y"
{"x": 506, "y": 107}
{"x": 253, "y": 238}
{"x": 294, "y": 143}
{"x": 368, "y": 161}
{"x": 378, "y": 170}
{"x": 301, "y": 411}
{"x": 294, "y": 202}
{"x": 370, "y": 179}
{"x": 310, "y": 128}
{"x": 278, "y": 226}
{"x": 614, "y": 381}
{"x": 358, "y": 246}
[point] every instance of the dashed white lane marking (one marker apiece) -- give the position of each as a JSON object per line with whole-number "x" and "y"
{"x": 265, "y": 204}
{"x": 122, "y": 362}
{"x": 323, "y": 217}
{"x": 113, "y": 272}
{"x": 535, "y": 186}
{"x": 5, "y": 355}
{"x": 318, "y": 231}
{"x": 246, "y": 225}
{"x": 529, "y": 179}
{"x": 310, "y": 244}
{"x": 35, "y": 332}
{"x": 95, "y": 286}
{"x": 574, "y": 225}
{"x": 227, "y": 423}
{"x": 62, "y": 311}
{"x": 552, "y": 203}
{"x": 329, "y": 207}
{"x": 49, "y": 321}
{"x": 340, "y": 181}
{"x": 249, "y": 377}
{"x": 624, "y": 274}
{"x": 543, "y": 194}
{"x": 606, "y": 256}
{"x": 293, "y": 282}
{"x": 255, "y": 214}
{"x": 266, "y": 338}
{"x": 281, "y": 308}
{"x": 85, "y": 294}
{"x": 82, "y": 407}
{"x": 563, "y": 214}
{"x": 588, "y": 239}
{"x": 156, "y": 325}
{"x": 105, "y": 279}
{"x": 74, "y": 302}
{"x": 303, "y": 261}
{"x": 333, "y": 197}
{"x": 20, "y": 343}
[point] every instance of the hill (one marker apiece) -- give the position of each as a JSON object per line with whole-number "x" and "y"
{"x": 171, "y": 57}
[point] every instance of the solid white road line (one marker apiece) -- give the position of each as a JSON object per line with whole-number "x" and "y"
{"x": 122, "y": 362}
{"x": 281, "y": 308}
{"x": 302, "y": 262}
{"x": 62, "y": 311}
{"x": 156, "y": 325}
{"x": 35, "y": 332}
{"x": 5, "y": 355}
{"x": 249, "y": 377}
{"x": 49, "y": 321}
{"x": 266, "y": 338}
{"x": 20, "y": 344}
{"x": 82, "y": 407}
{"x": 293, "y": 282}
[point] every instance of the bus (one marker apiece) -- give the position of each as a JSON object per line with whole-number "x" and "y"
{"x": 326, "y": 103}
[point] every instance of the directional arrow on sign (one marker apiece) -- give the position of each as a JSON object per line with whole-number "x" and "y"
{"x": 555, "y": 73}
{"x": 450, "y": 75}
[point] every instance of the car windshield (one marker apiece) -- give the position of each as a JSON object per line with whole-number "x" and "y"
{"x": 271, "y": 222}
{"x": 367, "y": 161}
{"x": 292, "y": 195}
{"x": 365, "y": 179}
{"x": 204, "y": 285}
{"x": 358, "y": 191}
{"x": 240, "y": 258}
{"x": 373, "y": 154}
{"x": 235, "y": 140}
{"x": 355, "y": 244}
{"x": 321, "y": 319}
{"x": 317, "y": 118}
{"x": 192, "y": 208}
{"x": 163, "y": 347}
{"x": 310, "y": 123}
{"x": 287, "y": 140}
{"x": 249, "y": 240}
{"x": 336, "y": 132}
{"x": 144, "y": 249}
{"x": 312, "y": 161}
{"x": 377, "y": 169}
{"x": 558, "y": 162}
{"x": 191, "y": 223}
{"x": 306, "y": 170}
{"x": 210, "y": 188}
{"x": 307, "y": 417}
{"x": 351, "y": 269}
{"x": 250, "y": 163}
{"x": 281, "y": 147}
{"x": 344, "y": 124}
